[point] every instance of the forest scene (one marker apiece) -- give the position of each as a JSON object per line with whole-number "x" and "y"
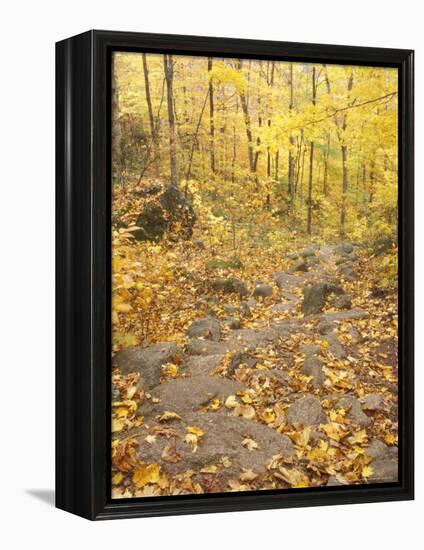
{"x": 254, "y": 275}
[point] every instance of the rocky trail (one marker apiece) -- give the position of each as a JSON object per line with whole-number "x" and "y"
{"x": 293, "y": 383}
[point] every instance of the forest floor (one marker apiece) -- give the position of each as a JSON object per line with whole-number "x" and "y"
{"x": 278, "y": 373}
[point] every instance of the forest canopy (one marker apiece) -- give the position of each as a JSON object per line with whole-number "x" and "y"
{"x": 306, "y": 147}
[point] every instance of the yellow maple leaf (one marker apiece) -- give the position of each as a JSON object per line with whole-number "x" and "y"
{"x": 367, "y": 471}
{"x": 195, "y": 430}
{"x": 146, "y": 474}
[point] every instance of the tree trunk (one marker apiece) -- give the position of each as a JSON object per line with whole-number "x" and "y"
{"x": 211, "y": 117}
{"x": 290, "y": 176}
{"x": 169, "y": 77}
{"x": 344, "y": 165}
{"x": 325, "y": 178}
{"x": 247, "y": 122}
{"x": 116, "y": 130}
{"x": 311, "y": 161}
{"x": 153, "y": 131}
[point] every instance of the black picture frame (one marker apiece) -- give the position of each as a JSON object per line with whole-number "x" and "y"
{"x": 83, "y": 269}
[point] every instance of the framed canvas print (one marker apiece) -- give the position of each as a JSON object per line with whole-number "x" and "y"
{"x": 234, "y": 274}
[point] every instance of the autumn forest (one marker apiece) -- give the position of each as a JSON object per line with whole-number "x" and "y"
{"x": 254, "y": 288}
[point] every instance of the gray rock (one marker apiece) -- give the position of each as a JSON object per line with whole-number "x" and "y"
{"x": 307, "y": 411}
{"x": 208, "y": 328}
{"x": 376, "y": 449}
{"x": 348, "y": 272}
{"x": 232, "y": 285}
{"x": 183, "y": 395}
{"x": 223, "y": 436}
{"x": 208, "y": 347}
{"x": 344, "y": 248}
{"x": 373, "y": 402}
{"x": 345, "y": 315}
{"x": 282, "y": 308}
{"x": 312, "y": 366}
{"x": 251, "y": 302}
{"x": 300, "y": 266}
{"x": 230, "y": 309}
{"x": 354, "y": 411}
{"x": 292, "y": 256}
{"x": 324, "y": 327}
{"x": 341, "y": 302}
{"x": 309, "y": 350}
{"x": 199, "y": 244}
{"x": 263, "y": 291}
{"x": 307, "y": 253}
{"x": 233, "y": 323}
{"x": 202, "y": 365}
{"x": 384, "y": 471}
{"x": 335, "y": 346}
{"x": 315, "y": 295}
{"x": 241, "y": 359}
{"x": 172, "y": 207}
{"x": 274, "y": 374}
{"x": 146, "y": 361}
{"x": 286, "y": 281}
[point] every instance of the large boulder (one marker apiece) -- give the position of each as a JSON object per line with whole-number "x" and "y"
{"x": 232, "y": 285}
{"x": 354, "y": 410}
{"x": 307, "y": 411}
{"x": 223, "y": 436}
{"x": 344, "y": 248}
{"x": 312, "y": 366}
{"x": 315, "y": 296}
{"x": 168, "y": 209}
{"x": 181, "y": 395}
{"x": 208, "y": 328}
{"x": 384, "y": 471}
{"x": 262, "y": 291}
{"x": 147, "y": 361}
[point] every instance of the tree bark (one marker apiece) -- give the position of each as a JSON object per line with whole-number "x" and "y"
{"x": 211, "y": 117}
{"x": 344, "y": 165}
{"x": 290, "y": 176}
{"x": 248, "y": 125}
{"x": 169, "y": 76}
{"x": 153, "y": 131}
{"x": 311, "y": 161}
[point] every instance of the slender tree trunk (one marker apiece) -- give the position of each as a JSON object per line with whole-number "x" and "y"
{"x": 271, "y": 84}
{"x": 325, "y": 177}
{"x": 211, "y": 117}
{"x": 169, "y": 76}
{"x": 344, "y": 166}
{"x": 277, "y": 158}
{"x": 311, "y": 161}
{"x": 302, "y": 173}
{"x": 153, "y": 131}
{"x": 290, "y": 176}
{"x": 116, "y": 130}
{"x": 247, "y": 122}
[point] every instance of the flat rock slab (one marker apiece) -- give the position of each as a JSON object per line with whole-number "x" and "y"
{"x": 384, "y": 471}
{"x": 202, "y": 365}
{"x": 208, "y": 347}
{"x": 208, "y": 328}
{"x": 147, "y": 361}
{"x": 183, "y": 395}
{"x": 307, "y": 411}
{"x": 345, "y": 315}
{"x": 223, "y": 437}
